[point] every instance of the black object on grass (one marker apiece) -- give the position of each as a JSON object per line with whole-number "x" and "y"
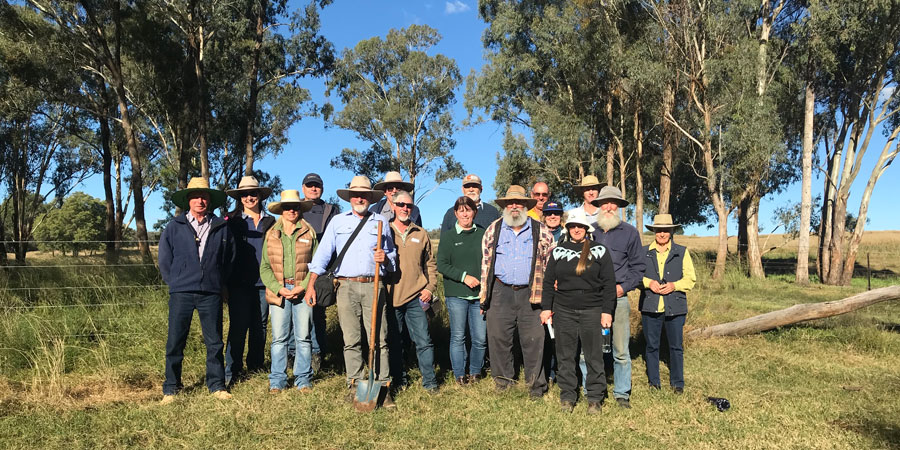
{"x": 722, "y": 404}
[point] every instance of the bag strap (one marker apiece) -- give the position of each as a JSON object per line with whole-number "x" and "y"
{"x": 340, "y": 257}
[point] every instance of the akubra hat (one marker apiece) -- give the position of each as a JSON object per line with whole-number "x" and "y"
{"x": 198, "y": 184}
{"x": 362, "y": 184}
{"x": 588, "y": 181}
{"x": 663, "y": 222}
{"x": 610, "y": 193}
{"x": 249, "y": 183}
{"x": 517, "y": 193}
{"x": 578, "y": 217}
{"x": 290, "y": 197}
{"x": 394, "y": 178}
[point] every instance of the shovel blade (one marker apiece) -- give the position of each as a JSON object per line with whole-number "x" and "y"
{"x": 367, "y": 392}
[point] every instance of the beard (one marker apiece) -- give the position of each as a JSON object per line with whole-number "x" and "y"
{"x": 608, "y": 221}
{"x": 360, "y": 209}
{"x": 514, "y": 221}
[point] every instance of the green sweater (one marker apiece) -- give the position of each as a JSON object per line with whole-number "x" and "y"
{"x": 459, "y": 254}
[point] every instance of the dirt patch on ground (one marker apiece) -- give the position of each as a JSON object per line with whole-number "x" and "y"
{"x": 16, "y": 397}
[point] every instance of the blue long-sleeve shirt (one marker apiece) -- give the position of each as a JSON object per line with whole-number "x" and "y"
{"x": 624, "y": 244}
{"x": 358, "y": 262}
{"x": 515, "y": 254}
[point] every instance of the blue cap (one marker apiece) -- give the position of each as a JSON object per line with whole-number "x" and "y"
{"x": 552, "y": 207}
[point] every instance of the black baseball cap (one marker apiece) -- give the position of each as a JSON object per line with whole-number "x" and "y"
{"x": 313, "y": 178}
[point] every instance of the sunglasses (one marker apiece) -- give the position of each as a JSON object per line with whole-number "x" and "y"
{"x": 403, "y": 205}
{"x": 250, "y": 194}
{"x": 313, "y": 185}
{"x": 552, "y": 213}
{"x": 291, "y": 207}
{"x": 540, "y": 194}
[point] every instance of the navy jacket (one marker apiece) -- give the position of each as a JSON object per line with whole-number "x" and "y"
{"x": 246, "y": 263}
{"x": 180, "y": 265}
{"x": 486, "y": 215}
{"x": 624, "y": 244}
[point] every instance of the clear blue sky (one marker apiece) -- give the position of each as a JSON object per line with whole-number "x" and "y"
{"x": 346, "y": 22}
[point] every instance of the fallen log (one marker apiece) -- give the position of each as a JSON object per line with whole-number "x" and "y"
{"x": 798, "y": 313}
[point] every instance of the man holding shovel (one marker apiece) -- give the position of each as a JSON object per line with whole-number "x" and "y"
{"x": 356, "y": 274}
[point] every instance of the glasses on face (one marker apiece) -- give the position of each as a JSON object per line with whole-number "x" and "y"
{"x": 391, "y": 187}
{"x": 540, "y": 194}
{"x": 313, "y": 186}
{"x": 250, "y": 194}
{"x": 552, "y": 213}
{"x": 291, "y": 208}
{"x": 403, "y": 205}
{"x": 470, "y": 186}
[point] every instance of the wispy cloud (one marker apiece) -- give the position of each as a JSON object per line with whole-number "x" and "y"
{"x": 455, "y": 7}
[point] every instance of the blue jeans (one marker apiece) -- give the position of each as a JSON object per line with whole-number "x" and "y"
{"x": 291, "y": 315}
{"x": 466, "y": 314}
{"x": 412, "y": 318}
{"x": 181, "y": 311}
{"x": 621, "y": 336}
{"x": 653, "y": 325}
{"x": 247, "y": 312}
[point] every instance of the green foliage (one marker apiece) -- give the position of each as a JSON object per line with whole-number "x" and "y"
{"x": 81, "y": 218}
{"x": 397, "y": 98}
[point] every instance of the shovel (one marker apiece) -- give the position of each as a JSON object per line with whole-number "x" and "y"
{"x": 367, "y": 391}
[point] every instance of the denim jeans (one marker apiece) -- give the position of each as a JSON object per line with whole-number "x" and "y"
{"x": 248, "y": 313}
{"x": 466, "y": 314}
{"x": 621, "y": 337}
{"x": 653, "y": 325}
{"x": 291, "y": 315}
{"x": 181, "y": 311}
{"x": 412, "y": 318}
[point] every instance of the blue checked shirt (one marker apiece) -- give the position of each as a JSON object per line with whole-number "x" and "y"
{"x": 514, "y": 254}
{"x": 358, "y": 262}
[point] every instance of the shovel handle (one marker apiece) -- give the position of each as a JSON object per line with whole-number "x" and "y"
{"x": 373, "y": 323}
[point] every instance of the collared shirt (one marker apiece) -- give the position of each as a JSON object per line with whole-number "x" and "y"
{"x": 358, "y": 262}
{"x": 688, "y": 275}
{"x": 515, "y": 251}
{"x": 201, "y": 231}
{"x": 289, "y": 259}
{"x": 591, "y": 217}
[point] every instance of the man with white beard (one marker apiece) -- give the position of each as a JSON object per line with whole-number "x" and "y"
{"x": 515, "y": 249}
{"x": 411, "y": 292}
{"x": 356, "y": 273}
{"x": 485, "y": 213}
{"x": 624, "y": 243}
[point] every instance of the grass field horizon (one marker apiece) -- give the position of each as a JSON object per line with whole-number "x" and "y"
{"x": 75, "y": 374}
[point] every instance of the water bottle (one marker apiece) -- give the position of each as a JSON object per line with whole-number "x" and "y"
{"x": 606, "y": 340}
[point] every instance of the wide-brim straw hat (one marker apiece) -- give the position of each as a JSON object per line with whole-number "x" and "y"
{"x": 362, "y": 184}
{"x": 610, "y": 193}
{"x": 394, "y": 178}
{"x": 249, "y": 183}
{"x": 290, "y": 197}
{"x": 578, "y": 217}
{"x": 517, "y": 193}
{"x": 663, "y": 222}
{"x": 588, "y": 181}
{"x": 198, "y": 184}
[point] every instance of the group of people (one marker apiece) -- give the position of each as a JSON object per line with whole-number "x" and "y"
{"x": 559, "y": 281}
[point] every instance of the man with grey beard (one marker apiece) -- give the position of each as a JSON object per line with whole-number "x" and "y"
{"x": 624, "y": 243}
{"x": 515, "y": 249}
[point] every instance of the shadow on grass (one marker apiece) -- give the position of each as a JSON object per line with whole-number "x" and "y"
{"x": 883, "y": 433}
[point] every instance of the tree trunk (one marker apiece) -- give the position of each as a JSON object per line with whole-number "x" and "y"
{"x": 106, "y": 148}
{"x": 202, "y": 108}
{"x": 798, "y": 313}
{"x": 754, "y": 257}
{"x": 120, "y": 210}
{"x": 254, "y": 89}
{"x": 743, "y": 218}
{"x": 610, "y": 148}
{"x": 809, "y": 112}
{"x": 638, "y": 179}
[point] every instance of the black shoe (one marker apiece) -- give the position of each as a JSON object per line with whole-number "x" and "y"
{"x": 566, "y": 406}
{"x": 654, "y": 387}
{"x": 678, "y": 390}
{"x": 594, "y": 407}
{"x": 462, "y": 381}
{"x": 623, "y": 403}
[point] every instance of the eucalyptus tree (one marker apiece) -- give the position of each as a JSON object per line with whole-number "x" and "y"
{"x": 397, "y": 98}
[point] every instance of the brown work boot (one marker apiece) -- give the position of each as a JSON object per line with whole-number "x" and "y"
{"x": 594, "y": 408}
{"x": 388, "y": 402}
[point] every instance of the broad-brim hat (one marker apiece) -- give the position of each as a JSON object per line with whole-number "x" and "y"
{"x": 578, "y": 217}
{"x": 394, "y": 178}
{"x": 663, "y": 222}
{"x": 290, "y": 197}
{"x": 362, "y": 184}
{"x": 198, "y": 184}
{"x": 610, "y": 193}
{"x": 588, "y": 181}
{"x": 517, "y": 193}
{"x": 249, "y": 183}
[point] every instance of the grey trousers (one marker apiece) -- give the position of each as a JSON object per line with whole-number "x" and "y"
{"x": 511, "y": 310}
{"x": 354, "y": 303}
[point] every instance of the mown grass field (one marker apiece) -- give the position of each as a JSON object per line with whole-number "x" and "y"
{"x": 74, "y": 375}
